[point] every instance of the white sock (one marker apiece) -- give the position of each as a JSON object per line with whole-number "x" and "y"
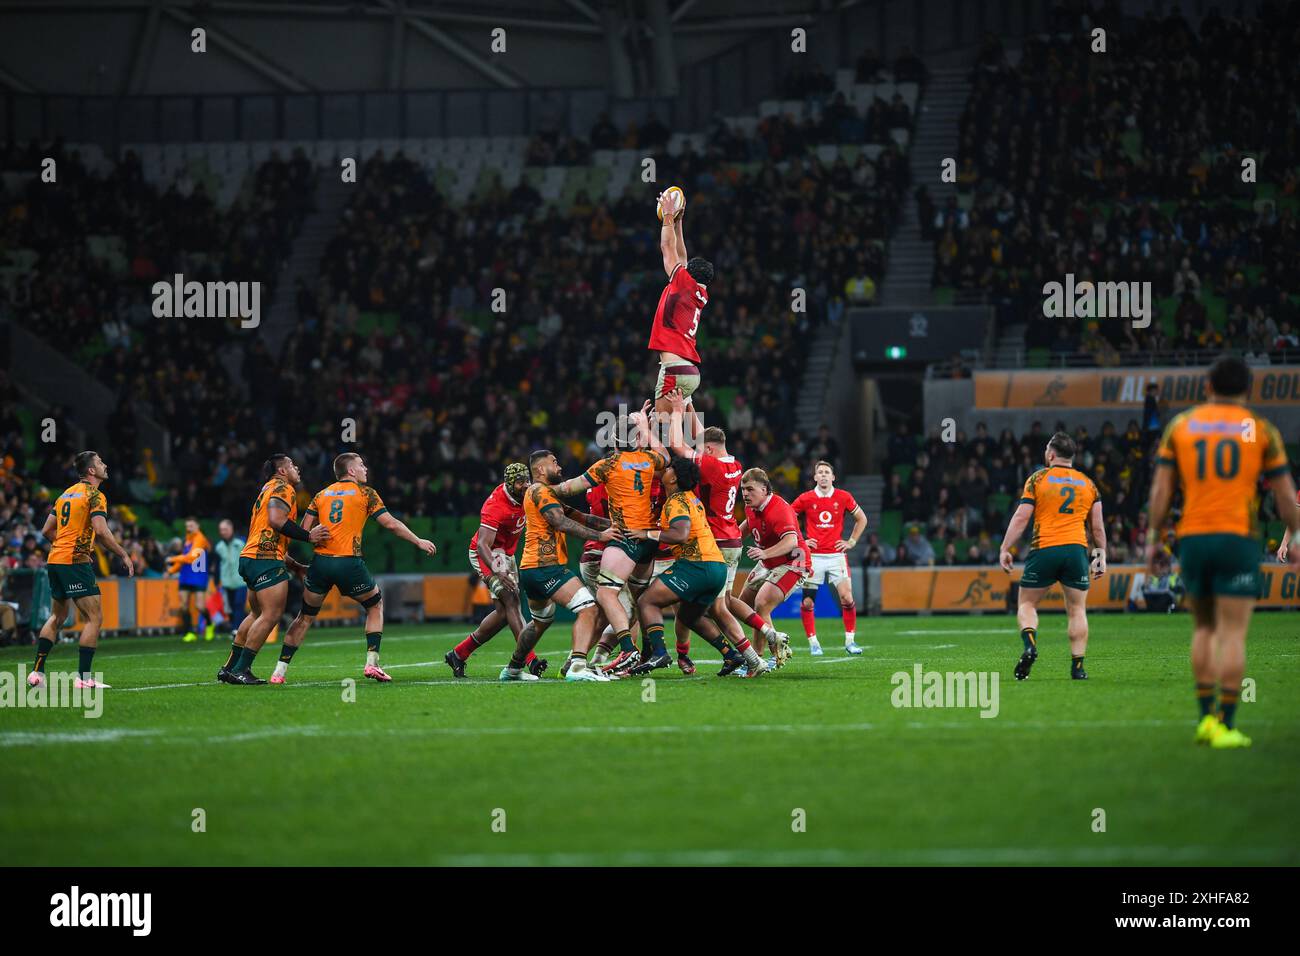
{"x": 813, "y": 641}
{"x": 599, "y": 656}
{"x": 372, "y": 658}
{"x": 751, "y": 657}
{"x": 281, "y": 668}
{"x": 848, "y": 638}
{"x": 579, "y": 664}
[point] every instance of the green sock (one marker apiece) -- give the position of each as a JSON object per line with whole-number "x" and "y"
{"x": 1030, "y": 636}
{"x": 245, "y": 659}
{"x": 286, "y": 652}
{"x": 1228, "y": 706}
{"x": 655, "y": 636}
{"x": 84, "y": 656}
{"x": 625, "y": 641}
{"x": 1076, "y": 663}
{"x": 1205, "y": 698}
{"x": 43, "y": 648}
{"x": 234, "y": 655}
{"x": 372, "y": 640}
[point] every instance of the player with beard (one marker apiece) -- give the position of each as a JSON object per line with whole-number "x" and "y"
{"x": 492, "y": 558}
{"x": 543, "y": 573}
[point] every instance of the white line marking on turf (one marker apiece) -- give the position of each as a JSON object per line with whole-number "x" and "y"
{"x": 961, "y": 632}
{"x": 919, "y": 856}
{"x": 19, "y": 738}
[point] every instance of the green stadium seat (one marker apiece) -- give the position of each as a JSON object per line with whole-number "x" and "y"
{"x": 891, "y": 526}
{"x": 1000, "y": 503}
{"x": 904, "y": 472}
{"x": 1038, "y": 358}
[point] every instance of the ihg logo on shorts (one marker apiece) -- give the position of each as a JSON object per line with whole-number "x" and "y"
{"x": 77, "y": 909}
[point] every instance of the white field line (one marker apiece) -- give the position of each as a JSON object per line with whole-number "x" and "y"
{"x": 39, "y": 738}
{"x": 936, "y": 856}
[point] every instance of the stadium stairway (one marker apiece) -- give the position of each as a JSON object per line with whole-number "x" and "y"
{"x": 809, "y": 411}
{"x": 910, "y": 263}
{"x": 332, "y": 195}
{"x": 869, "y": 492}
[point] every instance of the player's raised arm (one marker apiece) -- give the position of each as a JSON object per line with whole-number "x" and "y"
{"x": 105, "y": 536}
{"x": 1019, "y": 522}
{"x": 399, "y": 528}
{"x": 571, "y": 486}
{"x": 1098, "y": 527}
{"x": 676, "y": 436}
{"x": 277, "y": 514}
{"x": 671, "y": 244}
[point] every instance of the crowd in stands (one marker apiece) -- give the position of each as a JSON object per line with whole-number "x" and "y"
{"x": 456, "y": 388}
{"x": 956, "y": 498}
{"x": 399, "y": 333}
{"x": 93, "y": 300}
{"x": 1129, "y": 167}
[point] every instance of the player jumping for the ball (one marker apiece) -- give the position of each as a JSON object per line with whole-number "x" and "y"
{"x": 677, "y": 319}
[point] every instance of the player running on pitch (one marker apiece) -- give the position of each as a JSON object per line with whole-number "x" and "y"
{"x": 823, "y": 510}
{"x": 673, "y": 336}
{"x": 343, "y": 508}
{"x": 492, "y": 558}
{"x": 1218, "y": 452}
{"x": 1064, "y": 505}
{"x": 78, "y": 516}
{"x": 265, "y": 565}
{"x": 543, "y": 573}
{"x": 694, "y": 580}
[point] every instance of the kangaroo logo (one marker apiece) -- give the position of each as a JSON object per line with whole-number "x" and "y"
{"x": 1052, "y": 394}
{"x": 975, "y": 592}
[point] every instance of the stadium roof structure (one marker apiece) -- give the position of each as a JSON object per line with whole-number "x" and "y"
{"x": 140, "y": 47}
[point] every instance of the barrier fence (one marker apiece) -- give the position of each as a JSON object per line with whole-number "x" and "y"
{"x": 963, "y": 590}
{"x": 154, "y": 604}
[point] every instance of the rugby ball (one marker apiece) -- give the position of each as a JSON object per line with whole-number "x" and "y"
{"x": 676, "y": 199}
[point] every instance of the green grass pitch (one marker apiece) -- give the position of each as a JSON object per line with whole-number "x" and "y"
{"x": 710, "y": 771}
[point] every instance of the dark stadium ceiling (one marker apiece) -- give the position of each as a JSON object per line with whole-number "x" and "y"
{"x": 128, "y": 46}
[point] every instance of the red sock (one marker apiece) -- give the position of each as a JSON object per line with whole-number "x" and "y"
{"x": 809, "y": 621}
{"x": 743, "y": 645}
{"x": 530, "y": 658}
{"x": 465, "y": 648}
{"x": 756, "y": 621}
{"x": 851, "y": 618}
{"x": 683, "y": 647}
